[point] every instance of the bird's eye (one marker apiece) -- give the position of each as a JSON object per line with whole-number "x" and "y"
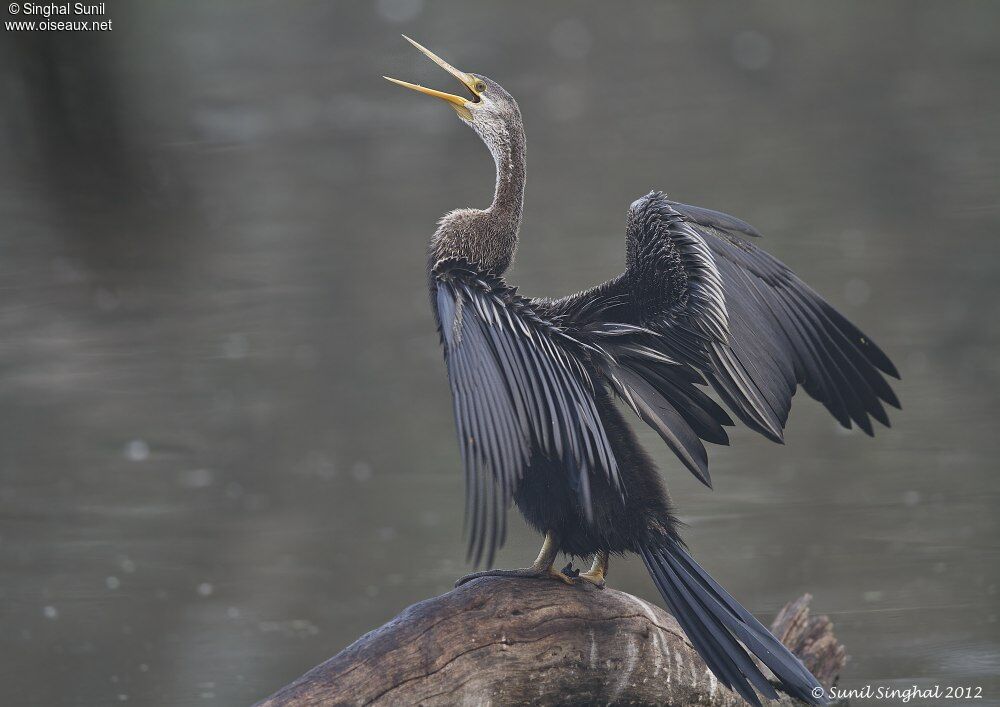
{"x": 480, "y": 87}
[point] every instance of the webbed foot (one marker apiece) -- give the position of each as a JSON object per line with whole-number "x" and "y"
{"x": 541, "y": 568}
{"x": 595, "y": 575}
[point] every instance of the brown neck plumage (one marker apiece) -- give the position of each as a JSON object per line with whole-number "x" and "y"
{"x": 488, "y": 238}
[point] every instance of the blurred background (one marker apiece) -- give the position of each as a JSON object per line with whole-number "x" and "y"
{"x": 227, "y": 446}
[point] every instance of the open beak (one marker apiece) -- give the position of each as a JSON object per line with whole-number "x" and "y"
{"x": 457, "y": 102}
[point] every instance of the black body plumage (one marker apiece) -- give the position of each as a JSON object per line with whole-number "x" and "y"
{"x": 699, "y": 307}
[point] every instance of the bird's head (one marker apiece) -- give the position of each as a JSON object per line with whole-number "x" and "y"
{"x": 486, "y": 237}
{"x": 486, "y": 106}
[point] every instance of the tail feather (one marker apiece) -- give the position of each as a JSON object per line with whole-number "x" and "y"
{"x": 716, "y": 624}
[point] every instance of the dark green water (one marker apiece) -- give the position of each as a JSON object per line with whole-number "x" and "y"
{"x": 227, "y": 447}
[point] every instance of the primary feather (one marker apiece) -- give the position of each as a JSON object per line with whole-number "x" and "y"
{"x": 721, "y": 306}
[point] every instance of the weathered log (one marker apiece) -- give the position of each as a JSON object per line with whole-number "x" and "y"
{"x": 521, "y": 641}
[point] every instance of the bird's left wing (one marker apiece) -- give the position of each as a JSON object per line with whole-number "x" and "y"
{"x": 720, "y": 310}
{"x": 645, "y": 369}
{"x": 521, "y": 386}
{"x": 747, "y": 322}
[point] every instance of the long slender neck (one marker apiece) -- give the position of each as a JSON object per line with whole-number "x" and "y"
{"x": 508, "y": 198}
{"x": 488, "y": 238}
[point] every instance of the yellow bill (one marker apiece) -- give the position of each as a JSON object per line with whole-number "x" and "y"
{"x": 459, "y": 103}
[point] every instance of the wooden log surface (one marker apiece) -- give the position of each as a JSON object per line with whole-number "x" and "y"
{"x": 505, "y": 641}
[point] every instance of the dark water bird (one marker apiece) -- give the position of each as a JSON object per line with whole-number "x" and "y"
{"x": 698, "y": 307}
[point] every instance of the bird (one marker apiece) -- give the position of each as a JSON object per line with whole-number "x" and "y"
{"x": 700, "y": 308}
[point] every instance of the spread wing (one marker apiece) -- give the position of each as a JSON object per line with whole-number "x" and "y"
{"x": 782, "y": 333}
{"x": 521, "y": 387}
{"x": 641, "y": 366}
{"x": 736, "y": 316}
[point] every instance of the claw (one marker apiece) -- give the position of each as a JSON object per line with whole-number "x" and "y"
{"x": 541, "y": 569}
{"x": 593, "y": 578}
{"x": 595, "y": 575}
{"x": 569, "y": 579}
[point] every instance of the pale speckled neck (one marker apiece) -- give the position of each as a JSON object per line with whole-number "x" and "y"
{"x": 508, "y": 197}
{"x": 488, "y": 238}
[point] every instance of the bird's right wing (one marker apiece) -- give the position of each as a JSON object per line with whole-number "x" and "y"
{"x": 521, "y": 385}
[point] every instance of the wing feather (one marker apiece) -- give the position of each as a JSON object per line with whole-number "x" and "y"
{"x": 700, "y": 304}
{"x": 521, "y": 387}
{"x": 778, "y": 333}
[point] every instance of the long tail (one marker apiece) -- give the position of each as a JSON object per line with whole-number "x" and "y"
{"x": 716, "y": 624}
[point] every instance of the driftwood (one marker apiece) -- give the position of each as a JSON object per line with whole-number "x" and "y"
{"x": 522, "y": 641}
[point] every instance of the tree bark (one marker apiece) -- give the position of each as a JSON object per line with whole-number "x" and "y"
{"x": 526, "y": 641}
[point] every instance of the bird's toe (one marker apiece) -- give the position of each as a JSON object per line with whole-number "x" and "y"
{"x": 594, "y": 579}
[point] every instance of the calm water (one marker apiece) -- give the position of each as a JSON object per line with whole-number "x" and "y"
{"x": 227, "y": 447}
